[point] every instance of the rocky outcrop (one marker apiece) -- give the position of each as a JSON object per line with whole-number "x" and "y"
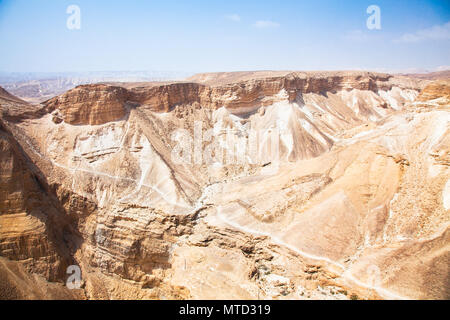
{"x": 437, "y": 90}
{"x": 15, "y": 109}
{"x": 90, "y": 104}
{"x": 5, "y": 95}
{"x": 31, "y": 226}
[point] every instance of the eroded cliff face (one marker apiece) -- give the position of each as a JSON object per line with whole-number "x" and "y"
{"x": 90, "y": 104}
{"x": 99, "y": 104}
{"x": 353, "y": 201}
{"x": 33, "y": 229}
{"x": 437, "y": 93}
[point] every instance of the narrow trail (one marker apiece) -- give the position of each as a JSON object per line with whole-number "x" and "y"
{"x": 345, "y": 271}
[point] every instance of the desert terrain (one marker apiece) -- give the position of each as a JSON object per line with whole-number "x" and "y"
{"x": 245, "y": 185}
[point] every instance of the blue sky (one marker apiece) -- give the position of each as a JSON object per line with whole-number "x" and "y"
{"x": 202, "y": 36}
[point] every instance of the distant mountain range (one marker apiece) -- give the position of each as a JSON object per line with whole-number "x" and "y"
{"x": 438, "y": 75}
{"x": 38, "y": 87}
